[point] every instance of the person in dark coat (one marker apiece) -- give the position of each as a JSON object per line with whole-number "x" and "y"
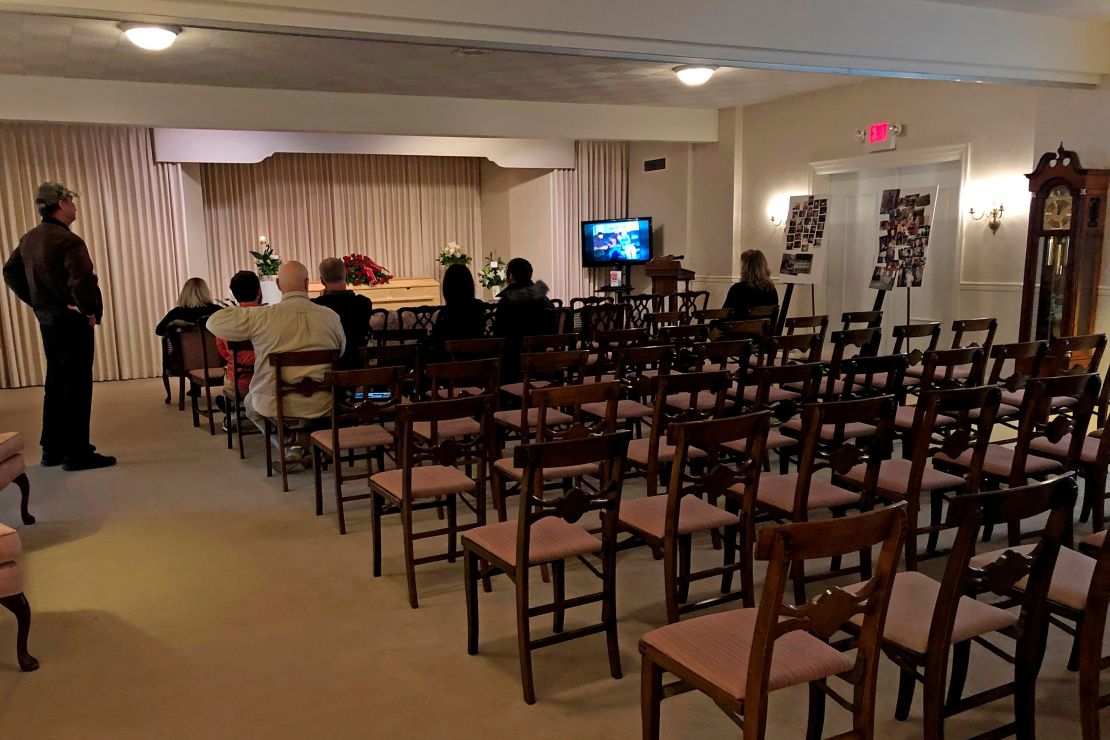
{"x": 463, "y": 316}
{"x": 51, "y": 271}
{"x": 194, "y": 303}
{"x": 353, "y": 309}
{"x": 755, "y": 287}
{"x": 523, "y": 309}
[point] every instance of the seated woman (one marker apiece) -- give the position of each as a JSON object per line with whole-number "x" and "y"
{"x": 755, "y": 287}
{"x": 194, "y": 303}
{"x": 462, "y": 316}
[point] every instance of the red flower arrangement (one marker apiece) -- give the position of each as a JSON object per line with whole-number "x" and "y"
{"x": 361, "y": 270}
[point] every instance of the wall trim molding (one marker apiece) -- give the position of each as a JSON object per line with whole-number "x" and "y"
{"x": 990, "y": 286}
{"x": 896, "y": 159}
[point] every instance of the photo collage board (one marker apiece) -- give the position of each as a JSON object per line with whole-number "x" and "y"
{"x": 804, "y": 257}
{"x": 905, "y": 223}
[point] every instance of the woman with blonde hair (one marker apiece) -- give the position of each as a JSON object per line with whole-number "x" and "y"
{"x": 194, "y": 303}
{"x": 755, "y": 287}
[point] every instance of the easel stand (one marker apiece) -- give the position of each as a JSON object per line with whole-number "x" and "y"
{"x": 784, "y": 308}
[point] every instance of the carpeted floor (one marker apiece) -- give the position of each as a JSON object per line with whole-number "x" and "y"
{"x": 181, "y": 594}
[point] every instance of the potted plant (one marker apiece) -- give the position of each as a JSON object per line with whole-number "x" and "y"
{"x": 492, "y": 275}
{"x": 453, "y": 254}
{"x": 267, "y": 264}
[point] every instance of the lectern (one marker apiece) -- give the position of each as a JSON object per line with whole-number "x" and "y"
{"x": 665, "y": 272}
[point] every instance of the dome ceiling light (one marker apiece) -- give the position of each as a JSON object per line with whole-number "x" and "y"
{"x": 150, "y": 36}
{"x": 694, "y": 74}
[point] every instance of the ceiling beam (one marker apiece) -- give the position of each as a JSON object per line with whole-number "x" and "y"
{"x": 868, "y": 37}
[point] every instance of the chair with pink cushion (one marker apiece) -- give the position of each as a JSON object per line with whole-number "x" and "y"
{"x": 13, "y": 470}
{"x": 11, "y": 594}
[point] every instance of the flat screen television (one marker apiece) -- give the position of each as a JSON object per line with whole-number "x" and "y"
{"x": 622, "y": 241}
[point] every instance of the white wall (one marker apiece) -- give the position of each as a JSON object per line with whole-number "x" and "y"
{"x": 517, "y": 215}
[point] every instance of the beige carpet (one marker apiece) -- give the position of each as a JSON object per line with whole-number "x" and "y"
{"x": 181, "y": 594}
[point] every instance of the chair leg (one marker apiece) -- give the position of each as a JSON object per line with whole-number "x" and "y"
{"x": 524, "y": 636}
{"x": 498, "y": 489}
{"x": 281, "y": 458}
{"x": 912, "y": 514}
{"x": 269, "y": 448}
{"x": 729, "y": 545}
{"x": 166, "y": 384}
{"x": 1095, "y": 497}
{"x": 936, "y": 510}
{"x": 24, "y": 484}
{"x": 1025, "y": 703}
{"x": 651, "y": 696}
{"x": 470, "y": 576}
{"x": 194, "y": 404}
{"x": 816, "y": 725}
{"x": 559, "y": 591}
{"x": 1076, "y": 644}
{"x": 961, "y": 656}
{"x": 410, "y": 556}
{"x": 337, "y": 471}
{"x": 181, "y": 394}
{"x": 452, "y": 527}
{"x": 907, "y": 682}
{"x": 18, "y": 606}
{"x": 318, "y": 479}
{"x": 798, "y": 574}
{"x": 208, "y": 410}
{"x": 376, "y": 532}
{"x": 684, "y": 556}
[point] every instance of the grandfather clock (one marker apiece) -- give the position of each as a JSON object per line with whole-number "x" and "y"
{"x": 1063, "y": 257}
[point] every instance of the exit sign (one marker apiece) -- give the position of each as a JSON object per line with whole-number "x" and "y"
{"x": 879, "y": 137}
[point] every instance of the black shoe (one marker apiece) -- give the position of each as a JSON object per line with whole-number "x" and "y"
{"x": 51, "y": 461}
{"x": 89, "y": 462}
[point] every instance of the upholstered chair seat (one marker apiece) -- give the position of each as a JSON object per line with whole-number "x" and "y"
{"x": 894, "y": 477}
{"x": 778, "y": 491}
{"x": 649, "y": 515}
{"x": 428, "y": 481}
{"x": 355, "y": 438}
{"x": 552, "y": 539}
{"x": 999, "y": 460}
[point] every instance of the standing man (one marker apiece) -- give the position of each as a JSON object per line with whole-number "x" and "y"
{"x": 353, "y": 309}
{"x": 51, "y": 272}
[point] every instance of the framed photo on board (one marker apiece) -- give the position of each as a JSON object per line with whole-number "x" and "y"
{"x": 905, "y": 225}
{"x": 803, "y": 259}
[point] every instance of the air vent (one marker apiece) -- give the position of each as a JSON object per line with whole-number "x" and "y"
{"x": 655, "y": 165}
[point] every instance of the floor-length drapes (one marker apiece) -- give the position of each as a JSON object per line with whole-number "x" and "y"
{"x": 596, "y": 188}
{"x": 125, "y": 215}
{"x": 399, "y": 210}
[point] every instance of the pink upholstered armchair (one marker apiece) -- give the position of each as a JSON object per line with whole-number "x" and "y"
{"x": 11, "y": 577}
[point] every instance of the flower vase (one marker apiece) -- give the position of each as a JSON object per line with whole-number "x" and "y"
{"x": 270, "y": 293}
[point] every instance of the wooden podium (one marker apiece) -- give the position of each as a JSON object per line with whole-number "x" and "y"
{"x": 665, "y": 272}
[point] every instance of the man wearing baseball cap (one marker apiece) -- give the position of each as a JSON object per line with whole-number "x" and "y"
{"x": 51, "y": 271}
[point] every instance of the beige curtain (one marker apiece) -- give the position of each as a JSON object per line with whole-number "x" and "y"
{"x": 400, "y": 211}
{"x": 596, "y": 188}
{"x": 125, "y": 215}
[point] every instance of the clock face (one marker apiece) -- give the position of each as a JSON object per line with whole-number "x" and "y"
{"x": 1057, "y": 209}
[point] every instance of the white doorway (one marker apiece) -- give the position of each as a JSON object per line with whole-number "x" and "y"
{"x": 853, "y": 245}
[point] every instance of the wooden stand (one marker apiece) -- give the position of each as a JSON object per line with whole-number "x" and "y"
{"x": 665, "y": 272}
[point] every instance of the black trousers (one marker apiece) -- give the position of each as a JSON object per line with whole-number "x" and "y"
{"x": 67, "y": 404}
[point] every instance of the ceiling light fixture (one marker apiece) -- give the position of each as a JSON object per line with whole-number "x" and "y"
{"x": 150, "y": 37}
{"x": 694, "y": 74}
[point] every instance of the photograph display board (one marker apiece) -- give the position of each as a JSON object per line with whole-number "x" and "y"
{"x": 905, "y": 221}
{"x": 803, "y": 261}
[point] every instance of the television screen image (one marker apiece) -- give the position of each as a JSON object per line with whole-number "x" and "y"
{"x": 616, "y": 242}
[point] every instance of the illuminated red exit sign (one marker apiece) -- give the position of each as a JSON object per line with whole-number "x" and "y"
{"x": 879, "y": 137}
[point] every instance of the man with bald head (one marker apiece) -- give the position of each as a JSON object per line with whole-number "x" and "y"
{"x": 293, "y": 325}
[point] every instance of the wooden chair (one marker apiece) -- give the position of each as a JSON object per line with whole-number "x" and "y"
{"x": 484, "y": 348}
{"x": 592, "y": 320}
{"x": 550, "y": 343}
{"x": 609, "y": 345}
{"x": 768, "y": 391}
{"x": 540, "y": 370}
{"x": 204, "y": 369}
{"x": 730, "y": 355}
{"x": 928, "y": 621}
{"x": 462, "y": 378}
{"x": 306, "y": 387}
{"x": 411, "y": 335}
{"x": 904, "y": 336}
{"x": 961, "y": 328}
{"x": 637, "y": 371}
{"x": 361, "y": 401}
{"x": 911, "y": 477}
{"x": 667, "y": 524}
{"x": 546, "y": 532}
{"x": 172, "y": 366}
{"x": 846, "y": 345}
{"x": 866, "y": 376}
{"x": 861, "y": 319}
{"x": 739, "y": 657}
{"x": 770, "y": 313}
{"x": 710, "y": 315}
{"x": 1027, "y": 359}
{"x": 1063, "y": 349}
{"x": 1091, "y": 660}
{"x": 553, "y": 423}
{"x": 379, "y": 320}
{"x": 689, "y": 301}
{"x": 756, "y": 329}
{"x": 408, "y": 357}
{"x": 1090, "y": 465}
{"x": 648, "y": 455}
{"x": 418, "y": 317}
{"x": 587, "y": 301}
{"x": 825, "y": 444}
{"x": 658, "y": 321}
{"x": 428, "y": 471}
{"x": 234, "y": 417}
{"x": 818, "y": 324}
{"x": 792, "y": 349}
{"x": 640, "y": 307}
{"x": 683, "y": 338}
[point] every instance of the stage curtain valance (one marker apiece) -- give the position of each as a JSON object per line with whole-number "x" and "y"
{"x": 399, "y": 210}
{"x": 125, "y": 215}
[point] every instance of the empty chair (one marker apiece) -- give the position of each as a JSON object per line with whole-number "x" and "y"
{"x": 755, "y": 329}
{"x": 640, "y": 307}
{"x": 546, "y": 533}
{"x": 1091, "y": 660}
{"x": 739, "y": 657}
{"x": 1021, "y": 360}
{"x": 904, "y": 339}
{"x": 418, "y": 317}
{"x": 770, "y": 389}
{"x": 1081, "y": 354}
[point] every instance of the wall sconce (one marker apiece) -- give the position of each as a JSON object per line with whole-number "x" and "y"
{"x": 777, "y": 221}
{"x": 995, "y": 217}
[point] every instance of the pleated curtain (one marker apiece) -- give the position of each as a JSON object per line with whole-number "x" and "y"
{"x": 597, "y": 188}
{"x": 398, "y": 210}
{"x": 126, "y": 215}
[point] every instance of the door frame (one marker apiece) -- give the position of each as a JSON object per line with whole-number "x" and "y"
{"x": 821, "y": 172}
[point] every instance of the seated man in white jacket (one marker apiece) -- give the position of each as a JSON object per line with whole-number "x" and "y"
{"x": 294, "y": 324}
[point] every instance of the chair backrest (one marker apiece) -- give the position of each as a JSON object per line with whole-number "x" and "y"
{"x": 598, "y": 318}
{"x": 1091, "y": 631}
{"x": 962, "y": 327}
{"x": 549, "y": 342}
{"x": 197, "y": 347}
{"x": 690, "y": 386}
{"x": 554, "y": 368}
{"x": 411, "y": 335}
{"x": 869, "y": 319}
{"x": 710, "y": 315}
{"x": 304, "y": 385}
{"x": 689, "y": 301}
{"x": 609, "y": 452}
{"x": 414, "y": 450}
{"x": 640, "y": 307}
{"x": 571, "y": 399}
{"x": 904, "y": 335}
{"x": 825, "y": 615}
{"x": 464, "y": 378}
{"x": 379, "y": 320}
{"x": 1063, "y": 349}
{"x": 638, "y": 368}
{"x": 731, "y": 355}
{"x": 846, "y": 345}
{"x": 610, "y": 344}
{"x": 807, "y": 325}
{"x": 831, "y": 451}
{"x": 658, "y": 321}
{"x": 484, "y": 348}
{"x": 580, "y": 303}
{"x": 939, "y": 368}
{"x": 1028, "y": 354}
{"x": 769, "y": 312}
{"x": 683, "y": 338}
{"x": 237, "y": 372}
{"x": 779, "y": 350}
{"x": 805, "y": 377}
{"x": 746, "y": 329}
{"x": 859, "y": 376}
{"x": 418, "y": 317}
{"x": 971, "y": 432}
{"x": 1040, "y": 418}
{"x": 362, "y": 397}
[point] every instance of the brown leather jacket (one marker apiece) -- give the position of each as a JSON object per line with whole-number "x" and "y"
{"x": 51, "y": 270}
